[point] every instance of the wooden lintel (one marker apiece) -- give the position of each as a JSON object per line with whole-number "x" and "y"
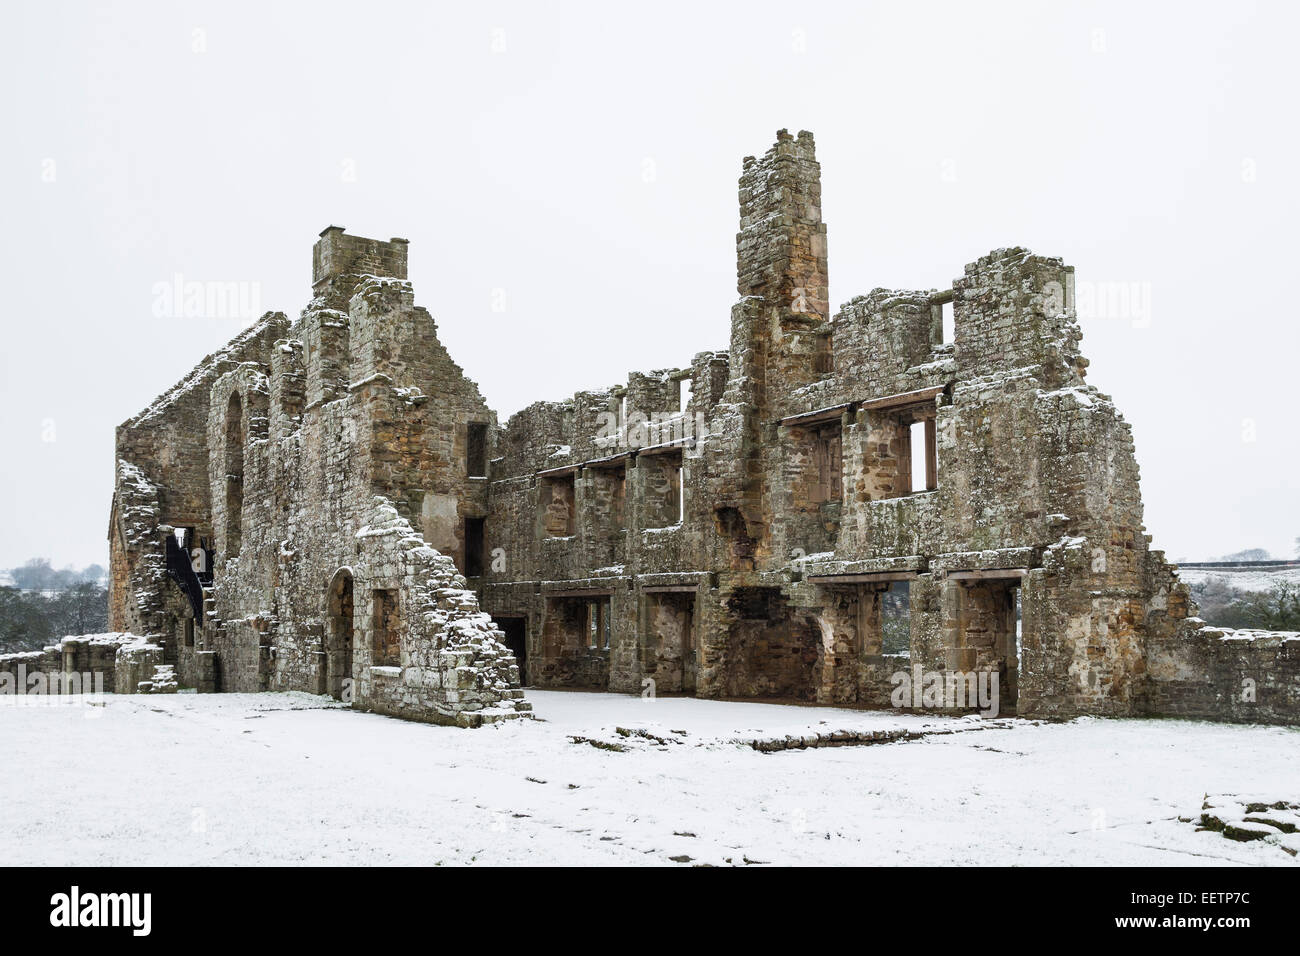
{"x": 668, "y": 446}
{"x": 866, "y": 577}
{"x": 816, "y": 415}
{"x": 988, "y": 574}
{"x": 577, "y": 592}
{"x": 606, "y": 462}
{"x": 903, "y": 398}
{"x": 556, "y": 472}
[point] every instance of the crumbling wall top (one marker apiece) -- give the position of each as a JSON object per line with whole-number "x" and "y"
{"x": 781, "y": 246}
{"x": 337, "y": 254}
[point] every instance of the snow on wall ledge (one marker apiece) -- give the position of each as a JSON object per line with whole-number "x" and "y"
{"x": 114, "y": 662}
{"x": 85, "y": 657}
{"x": 1243, "y": 676}
{"x": 452, "y": 668}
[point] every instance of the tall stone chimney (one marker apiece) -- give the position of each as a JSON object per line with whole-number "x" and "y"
{"x": 339, "y": 256}
{"x": 781, "y": 246}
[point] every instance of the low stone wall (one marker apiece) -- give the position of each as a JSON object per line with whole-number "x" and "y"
{"x": 94, "y": 654}
{"x": 77, "y": 665}
{"x": 17, "y": 670}
{"x": 1244, "y": 676}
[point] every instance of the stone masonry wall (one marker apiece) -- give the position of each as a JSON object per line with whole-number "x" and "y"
{"x": 801, "y": 497}
{"x": 333, "y": 450}
{"x": 739, "y": 526}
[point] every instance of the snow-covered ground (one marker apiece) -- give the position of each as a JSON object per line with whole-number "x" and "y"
{"x": 1247, "y": 579}
{"x": 288, "y": 778}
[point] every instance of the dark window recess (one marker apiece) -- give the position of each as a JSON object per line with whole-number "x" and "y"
{"x": 828, "y": 461}
{"x": 823, "y": 355}
{"x": 234, "y": 474}
{"x": 387, "y": 648}
{"x": 516, "y": 629}
{"x": 896, "y": 619}
{"x": 475, "y": 546}
{"x": 555, "y": 503}
{"x": 476, "y": 450}
{"x": 665, "y": 505}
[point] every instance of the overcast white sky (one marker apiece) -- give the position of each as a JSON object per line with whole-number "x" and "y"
{"x": 583, "y": 161}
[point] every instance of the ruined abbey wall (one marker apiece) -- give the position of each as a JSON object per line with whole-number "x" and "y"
{"x": 806, "y": 503}
{"x": 332, "y": 454}
{"x": 920, "y": 482}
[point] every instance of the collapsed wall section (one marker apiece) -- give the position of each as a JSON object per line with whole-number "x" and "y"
{"x": 449, "y": 665}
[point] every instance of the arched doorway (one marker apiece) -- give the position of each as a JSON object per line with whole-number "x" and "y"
{"x": 338, "y": 636}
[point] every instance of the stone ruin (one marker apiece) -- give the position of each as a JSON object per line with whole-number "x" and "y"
{"x": 921, "y": 484}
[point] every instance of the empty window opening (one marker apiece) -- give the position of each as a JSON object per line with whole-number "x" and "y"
{"x": 824, "y": 355}
{"x": 896, "y": 619}
{"x": 598, "y": 625}
{"x": 555, "y": 503}
{"x": 947, "y": 322}
{"x": 903, "y": 459}
{"x": 662, "y": 481}
{"x": 828, "y": 462}
{"x": 475, "y": 546}
{"x": 685, "y": 391}
{"x": 916, "y": 438}
{"x": 931, "y": 454}
{"x": 234, "y": 474}
{"x": 814, "y": 466}
{"x": 730, "y": 525}
{"x": 1020, "y": 661}
{"x": 575, "y": 638}
{"x": 608, "y": 497}
{"x": 387, "y": 643}
{"x": 189, "y": 632}
{"x": 476, "y": 450}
